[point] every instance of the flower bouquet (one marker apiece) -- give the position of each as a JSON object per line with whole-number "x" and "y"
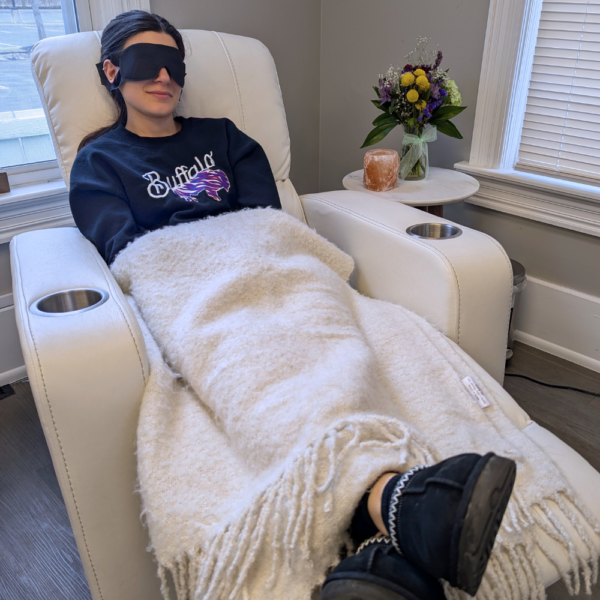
{"x": 422, "y": 98}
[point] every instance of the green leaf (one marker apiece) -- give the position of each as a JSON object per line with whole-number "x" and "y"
{"x": 378, "y": 134}
{"x": 376, "y": 90}
{"x": 448, "y": 128}
{"x": 384, "y": 118}
{"x": 393, "y": 106}
{"x": 446, "y": 112}
{"x": 376, "y": 103}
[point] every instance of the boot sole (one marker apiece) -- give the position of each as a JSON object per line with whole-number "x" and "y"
{"x": 356, "y": 589}
{"x": 491, "y": 483}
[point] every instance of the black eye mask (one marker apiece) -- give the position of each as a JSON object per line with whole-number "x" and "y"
{"x": 140, "y": 62}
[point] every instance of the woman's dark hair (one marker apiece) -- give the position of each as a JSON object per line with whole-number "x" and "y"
{"x": 114, "y": 36}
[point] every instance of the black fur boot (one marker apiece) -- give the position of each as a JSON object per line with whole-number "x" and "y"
{"x": 445, "y": 518}
{"x": 378, "y": 572}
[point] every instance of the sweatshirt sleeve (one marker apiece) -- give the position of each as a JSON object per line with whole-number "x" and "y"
{"x": 251, "y": 169}
{"x": 100, "y": 207}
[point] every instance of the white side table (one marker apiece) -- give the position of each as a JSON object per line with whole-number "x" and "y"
{"x": 442, "y": 186}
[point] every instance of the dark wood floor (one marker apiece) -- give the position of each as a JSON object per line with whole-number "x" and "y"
{"x": 573, "y": 417}
{"x": 38, "y": 556}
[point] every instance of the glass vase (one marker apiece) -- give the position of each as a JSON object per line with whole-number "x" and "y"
{"x": 419, "y": 170}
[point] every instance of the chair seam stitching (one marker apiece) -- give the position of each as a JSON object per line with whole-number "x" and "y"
{"x": 126, "y": 321}
{"x": 235, "y": 79}
{"x": 60, "y": 445}
{"x": 41, "y": 87}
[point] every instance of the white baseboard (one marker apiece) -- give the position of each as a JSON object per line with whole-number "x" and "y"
{"x": 12, "y": 375}
{"x": 560, "y": 321}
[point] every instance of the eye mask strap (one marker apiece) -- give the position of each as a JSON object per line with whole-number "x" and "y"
{"x": 114, "y": 58}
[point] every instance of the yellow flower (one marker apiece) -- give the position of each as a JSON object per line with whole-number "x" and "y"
{"x": 423, "y": 83}
{"x": 419, "y": 72}
{"x": 412, "y": 95}
{"x": 407, "y": 79}
{"x": 421, "y": 104}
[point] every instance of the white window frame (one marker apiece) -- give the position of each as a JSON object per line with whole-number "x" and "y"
{"x": 504, "y": 83}
{"x": 39, "y": 198}
{"x": 94, "y": 15}
{"x": 82, "y": 15}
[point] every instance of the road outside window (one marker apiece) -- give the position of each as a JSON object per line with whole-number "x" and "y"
{"x": 24, "y": 136}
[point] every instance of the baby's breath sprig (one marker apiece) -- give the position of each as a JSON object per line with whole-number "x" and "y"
{"x": 420, "y": 55}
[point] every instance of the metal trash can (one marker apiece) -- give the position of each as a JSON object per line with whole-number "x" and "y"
{"x": 519, "y": 283}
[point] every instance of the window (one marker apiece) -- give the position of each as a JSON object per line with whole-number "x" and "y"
{"x": 24, "y": 137}
{"x": 38, "y": 196}
{"x": 522, "y": 37}
{"x": 561, "y": 128}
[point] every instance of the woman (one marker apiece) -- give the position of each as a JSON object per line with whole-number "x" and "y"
{"x": 149, "y": 170}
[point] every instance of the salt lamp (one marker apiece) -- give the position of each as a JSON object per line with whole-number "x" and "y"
{"x": 381, "y": 170}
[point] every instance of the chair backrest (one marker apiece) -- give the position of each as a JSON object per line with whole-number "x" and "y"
{"x": 227, "y": 76}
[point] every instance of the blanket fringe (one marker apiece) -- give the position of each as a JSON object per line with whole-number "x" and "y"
{"x": 220, "y": 570}
{"x": 287, "y": 508}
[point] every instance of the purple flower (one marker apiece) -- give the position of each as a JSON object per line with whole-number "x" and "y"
{"x": 435, "y": 90}
{"x": 431, "y": 107}
{"x": 438, "y": 60}
{"x": 385, "y": 91}
{"x": 443, "y": 93}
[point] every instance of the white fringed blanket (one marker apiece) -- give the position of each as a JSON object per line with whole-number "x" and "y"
{"x": 277, "y": 395}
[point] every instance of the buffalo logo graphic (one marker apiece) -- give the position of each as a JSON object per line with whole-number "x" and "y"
{"x": 209, "y": 181}
{"x": 188, "y": 182}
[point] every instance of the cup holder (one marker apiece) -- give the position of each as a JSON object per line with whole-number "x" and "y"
{"x": 434, "y": 231}
{"x": 69, "y": 302}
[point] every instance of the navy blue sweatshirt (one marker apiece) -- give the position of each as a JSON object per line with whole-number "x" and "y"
{"x": 123, "y": 185}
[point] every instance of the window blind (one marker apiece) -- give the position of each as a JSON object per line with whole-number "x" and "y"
{"x": 561, "y": 129}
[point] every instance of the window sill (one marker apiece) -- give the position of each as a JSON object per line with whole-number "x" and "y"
{"x": 34, "y": 206}
{"x": 566, "y": 204}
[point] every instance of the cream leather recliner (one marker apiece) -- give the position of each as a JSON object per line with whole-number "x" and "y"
{"x": 88, "y": 369}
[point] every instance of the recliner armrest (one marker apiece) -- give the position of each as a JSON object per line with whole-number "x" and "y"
{"x": 87, "y": 372}
{"x": 463, "y": 285}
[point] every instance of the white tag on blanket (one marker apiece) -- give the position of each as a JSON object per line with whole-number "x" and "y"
{"x": 476, "y": 392}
